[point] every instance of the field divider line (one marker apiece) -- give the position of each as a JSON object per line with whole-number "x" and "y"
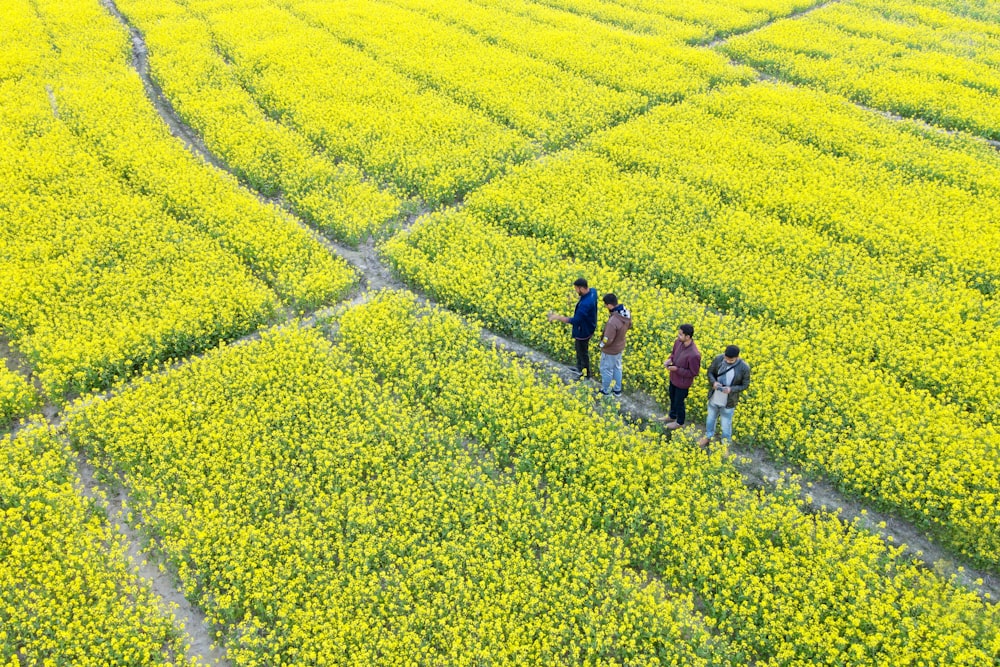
{"x": 890, "y": 115}
{"x": 925, "y": 124}
{"x": 140, "y": 63}
{"x": 114, "y": 502}
{"x": 716, "y": 41}
{"x": 759, "y": 472}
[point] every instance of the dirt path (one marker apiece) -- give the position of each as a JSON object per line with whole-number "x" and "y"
{"x": 140, "y": 62}
{"x": 760, "y": 470}
{"x": 796, "y": 14}
{"x": 193, "y": 620}
{"x": 761, "y": 76}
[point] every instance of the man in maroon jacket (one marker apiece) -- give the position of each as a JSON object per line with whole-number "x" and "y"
{"x": 684, "y": 364}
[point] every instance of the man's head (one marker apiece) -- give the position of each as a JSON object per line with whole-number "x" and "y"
{"x": 581, "y": 287}
{"x": 732, "y": 353}
{"x": 610, "y": 301}
{"x": 685, "y": 332}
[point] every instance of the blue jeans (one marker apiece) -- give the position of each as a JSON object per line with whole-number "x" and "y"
{"x": 611, "y": 371}
{"x": 727, "y": 421}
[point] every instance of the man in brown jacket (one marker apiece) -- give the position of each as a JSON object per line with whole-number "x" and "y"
{"x": 613, "y": 346}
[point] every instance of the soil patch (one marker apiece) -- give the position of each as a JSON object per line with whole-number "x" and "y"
{"x": 144, "y": 562}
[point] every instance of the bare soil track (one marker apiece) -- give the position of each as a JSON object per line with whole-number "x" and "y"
{"x": 202, "y": 648}
{"x": 794, "y": 15}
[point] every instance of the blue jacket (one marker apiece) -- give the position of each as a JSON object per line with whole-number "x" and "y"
{"x": 584, "y": 318}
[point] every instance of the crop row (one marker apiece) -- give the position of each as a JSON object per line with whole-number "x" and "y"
{"x": 923, "y": 298}
{"x": 93, "y": 287}
{"x": 675, "y": 229}
{"x": 99, "y": 97}
{"x": 658, "y": 220}
{"x": 321, "y": 517}
{"x": 411, "y": 495}
{"x": 923, "y": 224}
{"x": 541, "y": 100}
{"x": 163, "y": 262}
{"x": 272, "y": 158}
{"x": 657, "y": 67}
{"x": 17, "y": 397}
{"x": 692, "y": 22}
{"x": 357, "y": 109}
{"x": 723, "y": 18}
{"x": 843, "y": 418}
{"x": 68, "y": 595}
{"x": 918, "y": 59}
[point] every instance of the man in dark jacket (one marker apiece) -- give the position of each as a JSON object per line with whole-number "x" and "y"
{"x": 584, "y": 323}
{"x": 728, "y": 376}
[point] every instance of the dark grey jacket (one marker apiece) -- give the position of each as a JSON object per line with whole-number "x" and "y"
{"x": 741, "y": 378}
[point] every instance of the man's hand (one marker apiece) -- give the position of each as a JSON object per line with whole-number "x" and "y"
{"x": 552, "y": 316}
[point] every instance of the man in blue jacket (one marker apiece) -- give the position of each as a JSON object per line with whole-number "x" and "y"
{"x": 584, "y": 322}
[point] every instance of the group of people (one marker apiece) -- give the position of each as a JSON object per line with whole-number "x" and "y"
{"x": 728, "y": 374}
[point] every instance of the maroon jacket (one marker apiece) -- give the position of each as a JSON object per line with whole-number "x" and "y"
{"x": 688, "y": 362}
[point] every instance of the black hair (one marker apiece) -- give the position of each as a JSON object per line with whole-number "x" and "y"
{"x": 610, "y": 299}
{"x": 580, "y": 282}
{"x": 687, "y": 329}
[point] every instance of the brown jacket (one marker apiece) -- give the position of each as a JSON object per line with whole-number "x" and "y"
{"x": 613, "y": 341}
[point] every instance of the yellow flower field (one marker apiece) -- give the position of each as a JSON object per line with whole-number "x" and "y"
{"x": 653, "y": 211}
{"x": 662, "y": 68}
{"x": 356, "y": 108}
{"x": 851, "y": 422}
{"x": 814, "y": 181}
{"x": 544, "y": 102}
{"x": 100, "y": 99}
{"x": 67, "y": 593}
{"x": 17, "y": 397}
{"x": 168, "y": 259}
{"x": 323, "y": 517}
{"x": 694, "y": 22}
{"x": 410, "y": 479}
{"x": 932, "y": 59}
{"x": 271, "y": 157}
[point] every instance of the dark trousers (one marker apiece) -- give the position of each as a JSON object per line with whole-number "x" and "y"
{"x": 677, "y": 396}
{"x": 583, "y": 355}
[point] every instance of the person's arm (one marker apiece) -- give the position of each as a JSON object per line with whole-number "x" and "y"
{"x": 713, "y": 369}
{"x": 691, "y": 367}
{"x": 670, "y": 360}
{"x": 586, "y": 311}
{"x": 610, "y": 334}
{"x": 744, "y": 379}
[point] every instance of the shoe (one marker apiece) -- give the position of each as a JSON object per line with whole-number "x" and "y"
{"x": 598, "y": 395}
{"x": 575, "y": 373}
{"x": 672, "y": 426}
{"x": 704, "y": 442}
{"x": 616, "y": 394}
{"x": 666, "y": 419}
